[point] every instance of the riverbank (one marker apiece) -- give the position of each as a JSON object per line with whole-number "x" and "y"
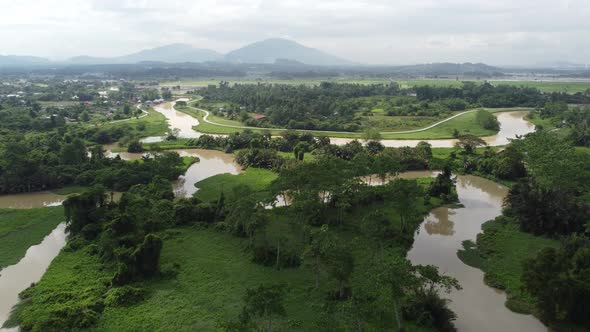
{"x": 478, "y": 306}
{"x": 463, "y": 122}
{"x": 500, "y": 251}
{"x": 21, "y": 229}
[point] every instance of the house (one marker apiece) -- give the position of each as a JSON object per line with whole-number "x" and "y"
{"x": 259, "y": 117}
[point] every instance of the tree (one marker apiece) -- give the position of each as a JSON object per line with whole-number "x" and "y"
{"x": 340, "y": 264}
{"x": 317, "y": 248}
{"x": 135, "y": 146}
{"x": 265, "y": 303}
{"x": 244, "y": 216}
{"x": 406, "y": 194}
{"x": 376, "y": 226}
{"x": 85, "y": 117}
{"x": 487, "y": 120}
{"x": 560, "y": 281}
{"x": 469, "y": 142}
{"x": 372, "y": 134}
{"x": 166, "y": 94}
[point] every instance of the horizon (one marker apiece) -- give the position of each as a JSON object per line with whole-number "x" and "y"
{"x": 371, "y": 32}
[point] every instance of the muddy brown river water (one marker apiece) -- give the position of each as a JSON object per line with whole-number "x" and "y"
{"x": 478, "y": 307}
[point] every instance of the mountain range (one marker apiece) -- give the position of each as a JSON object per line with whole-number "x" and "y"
{"x": 262, "y": 52}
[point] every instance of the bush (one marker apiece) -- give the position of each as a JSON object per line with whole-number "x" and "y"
{"x": 124, "y": 296}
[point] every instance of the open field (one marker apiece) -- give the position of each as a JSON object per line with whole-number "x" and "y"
{"x": 155, "y": 125}
{"x": 20, "y": 229}
{"x": 258, "y": 179}
{"x": 544, "y": 86}
{"x": 464, "y": 123}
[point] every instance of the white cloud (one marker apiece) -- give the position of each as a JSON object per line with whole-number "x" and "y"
{"x": 373, "y": 31}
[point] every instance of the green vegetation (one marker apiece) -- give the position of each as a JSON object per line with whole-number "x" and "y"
{"x": 548, "y": 200}
{"x": 148, "y": 249}
{"x": 257, "y": 179}
{"x": 500, "y": 252}
{"x": 543, "y": 86}
{"x": 20, "y": 229}
{"x": 465, "y": 123}
{"x": 154, "y": 124}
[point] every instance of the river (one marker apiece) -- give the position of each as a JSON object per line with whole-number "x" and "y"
{"x": 478, "y": 306}
{"x": 16, "y": 278}
{"x": 512, "y": 124}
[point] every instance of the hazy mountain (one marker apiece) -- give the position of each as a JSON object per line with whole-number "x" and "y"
{"x": 445, "y": 68}
{"x": 268, "y": 51}
{"x": 174, "y": 53}
{"x": 21, "y": 60}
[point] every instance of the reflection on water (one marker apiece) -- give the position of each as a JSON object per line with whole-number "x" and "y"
{"x": 478, "y": 307}
{"x": 16, "y": 278}
{"x": 439, "y": 222}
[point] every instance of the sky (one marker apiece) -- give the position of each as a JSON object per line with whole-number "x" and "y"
{"x": 500, "y": 32}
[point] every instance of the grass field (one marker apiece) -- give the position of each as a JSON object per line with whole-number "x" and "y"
{"x": 155, "y": 125}
{"x": 213, "y": 272}
{"x": 465, "y": 124}
{"x": 20, "y": 229}
{"x": 544, "y": 86}
{"x": 258, "y": 179}
{"x": 500, "y": 252}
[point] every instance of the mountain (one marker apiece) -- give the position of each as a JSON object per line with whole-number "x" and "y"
{"x": 445, "y": 68}
{"x": 271, "y": 50}
{"x": 173, "y": 53}
{"x": 21, "y": 61}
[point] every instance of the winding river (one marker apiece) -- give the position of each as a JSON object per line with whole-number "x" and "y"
{"x": 512, "y": 124}
{"x": 479, "y": 307}
{"x": 30, "y": 269}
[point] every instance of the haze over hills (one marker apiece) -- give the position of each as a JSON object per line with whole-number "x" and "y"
{"x": 22, "y": 60}
{"x": 266, "y": 51}
{"x": 173, "y": 53}
{"x": 270, "y": 50}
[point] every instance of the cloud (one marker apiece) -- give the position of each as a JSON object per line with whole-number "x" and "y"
{"x": 372, "y": 31}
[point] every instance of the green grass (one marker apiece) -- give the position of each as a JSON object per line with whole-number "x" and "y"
{"x": 258, "y": 179}
{"x": 465, "y": 123}
{"x": 214, "y": 271}
{"x": 214, "y": 274}
{"x": 20, "y": 229}
{"x": 155, "y": 125}
{"x": 569, "y": 87}
{"x": 500, "y": 252}
{"x": 72, "y": 277}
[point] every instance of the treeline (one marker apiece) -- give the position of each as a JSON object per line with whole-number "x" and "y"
{"x": 43, "y": 161}
{"x": 328, "y": 106}
{"x": 488, "y": 95}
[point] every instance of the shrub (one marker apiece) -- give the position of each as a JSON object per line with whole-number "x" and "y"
{"x": 124, "y": 296}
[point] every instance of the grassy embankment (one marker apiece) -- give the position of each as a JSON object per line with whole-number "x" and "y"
{"x": 465, "y": 123}
{"x": 20, "y": 229}
{"x": 569, "y": 87}
{"x": 500, "y": 252}
{"x": 214, "y": 271}
{"x": 154, "y": 124}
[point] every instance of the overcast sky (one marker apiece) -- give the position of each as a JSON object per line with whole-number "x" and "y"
{"x": 367, "y": 31}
